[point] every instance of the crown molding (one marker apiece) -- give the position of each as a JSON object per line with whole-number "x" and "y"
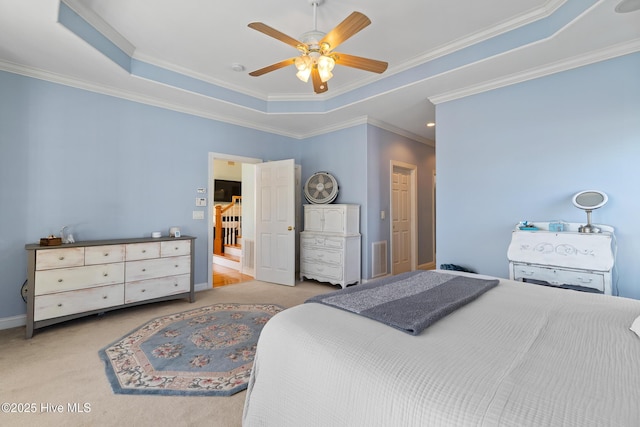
{"x": 127, "y": 95}
{"x": 534, "y": 73}
{"x": 386, "y": 126}
{"x": 479, "y": 36}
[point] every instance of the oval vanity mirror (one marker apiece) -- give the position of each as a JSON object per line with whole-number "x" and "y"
{"x": 589, "y": 200}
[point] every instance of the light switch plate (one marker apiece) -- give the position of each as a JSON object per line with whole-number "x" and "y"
{"x": 201, "y": 190}
{"x": 198, "y": 214}
{"x": 201, "y": 201}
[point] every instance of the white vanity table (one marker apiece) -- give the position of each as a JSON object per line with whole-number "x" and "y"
{"x": 562, "y": 258}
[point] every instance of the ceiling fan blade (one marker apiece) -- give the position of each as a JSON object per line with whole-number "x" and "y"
{"x": 366, "y": 64}
{"x": 273, "y": 67}
{"x": 318, "y": 85}
{"x": 272, "y": 32}
{"x": 347, "y": 28}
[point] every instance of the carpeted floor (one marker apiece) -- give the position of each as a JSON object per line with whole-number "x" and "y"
{"x": 59, "y": 368}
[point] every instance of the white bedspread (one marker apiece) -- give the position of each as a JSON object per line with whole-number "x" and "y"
{"x": 520, "y": 355}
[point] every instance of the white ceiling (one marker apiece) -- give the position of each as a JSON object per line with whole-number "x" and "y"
{"x": 437, "y": 50}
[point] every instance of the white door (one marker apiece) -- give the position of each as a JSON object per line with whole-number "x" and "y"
{"x": 401, "y": 221}
{"x": 248, "y": 219}
{"x": 275, "y": 222}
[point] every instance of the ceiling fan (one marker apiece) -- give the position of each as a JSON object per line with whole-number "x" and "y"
{"x": 317, "y": 56}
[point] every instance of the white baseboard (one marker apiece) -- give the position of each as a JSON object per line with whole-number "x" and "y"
{"x": 21, "y": 319}
{"x": 13, "y": 321}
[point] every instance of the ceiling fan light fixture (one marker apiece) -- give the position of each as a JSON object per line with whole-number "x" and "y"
{"x": 325, "y": 65}
{"x": 304, "y": 74}
{"x": 303, "y": 62}
{"x": 325, "y": 75}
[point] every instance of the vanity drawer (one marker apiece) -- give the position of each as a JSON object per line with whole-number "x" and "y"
{"x": 103, "y": 254}
{"x": 136, "y": 251}
{"x": 59, "y": 258}
{"x": 67, "y": 279}
{"x": 155, "y": 288}
{"x": 558, "y": 277}
{"x": 326, "y": 270}
{"x": 177, "y": 248}
{"x": 72, "y": 302}
{"x": 159, "y": 267}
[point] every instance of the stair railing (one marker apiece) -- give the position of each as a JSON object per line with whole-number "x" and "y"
{"x": 228, "y": 224}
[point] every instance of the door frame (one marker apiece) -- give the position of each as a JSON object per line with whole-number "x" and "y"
{"x": 413, "y": 210}
{"x": 209, "y": 217}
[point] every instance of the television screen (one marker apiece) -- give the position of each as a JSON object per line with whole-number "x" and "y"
{"x": 224, "y": 190}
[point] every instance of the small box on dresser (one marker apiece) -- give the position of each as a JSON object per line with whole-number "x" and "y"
{"x": 330, "y": 244}
{"x": 83, "y": 278}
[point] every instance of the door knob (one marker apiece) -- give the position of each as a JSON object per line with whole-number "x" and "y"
{"x": 290, "y": 228}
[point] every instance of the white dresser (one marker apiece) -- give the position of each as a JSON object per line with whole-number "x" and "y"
{"x": 563, "y": 258}
{"x": 78, "y": 279}
{"x": 330, "y": 244}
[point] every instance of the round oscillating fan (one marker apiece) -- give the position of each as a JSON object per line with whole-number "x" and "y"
{"x": 320, "y": 188}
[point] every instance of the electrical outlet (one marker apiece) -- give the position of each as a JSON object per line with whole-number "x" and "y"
{"x": 198, "y": 214}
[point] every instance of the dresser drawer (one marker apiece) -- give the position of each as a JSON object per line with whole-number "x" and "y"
{"x": 160, "y": 267}
{"x": 322, "y": 255}
{"x": 136, "y": 251}
{"x": 557, "y": 277}
{"x": 72, "y": 302}
{"x": 322, "y": 241}
{"x": 59, "y": 258}
{"x": 103, "y": 254}
{"x": 327, "y": 270}
{"x": 177, "y": 248}
{"x": 67, "y": 279}
{"x": 155, "y": 288}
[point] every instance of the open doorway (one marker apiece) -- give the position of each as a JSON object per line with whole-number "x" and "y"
{"x": 230, "y": 218}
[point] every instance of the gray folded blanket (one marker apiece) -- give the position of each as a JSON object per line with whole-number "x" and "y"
{"x": 410, "y": 301}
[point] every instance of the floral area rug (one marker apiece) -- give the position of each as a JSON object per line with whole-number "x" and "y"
{"x": 208, "y": 351}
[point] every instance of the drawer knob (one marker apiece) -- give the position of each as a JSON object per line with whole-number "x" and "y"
{"x": 61, "y": 258}
{"x": 144, "y": 290}
{"x": 105, "y": 274}
{"x": 104, "y": 297}
{"x": 144, "y": 269}
{"x": 144, "y": 251}
{"x": 106, "y": 254}
{"x": 176, "y": 265}
{"x": 176, "y": 248}
{"x": 60, "y": 305}
{"x": 175, "y": 284}
{"x": 59, "y": 280}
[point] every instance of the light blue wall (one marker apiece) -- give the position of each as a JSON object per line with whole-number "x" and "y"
{"x": 343, "y": 154}
{"x": 104, "y": 166}
{"x": 384, "y": 146}
{"x": 108, "y": 167}
{"x": 359, "y": 158}
{"x": 521, "y": 152}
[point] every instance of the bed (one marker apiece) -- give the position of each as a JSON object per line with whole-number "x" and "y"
{"x": 518, "y": 355}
